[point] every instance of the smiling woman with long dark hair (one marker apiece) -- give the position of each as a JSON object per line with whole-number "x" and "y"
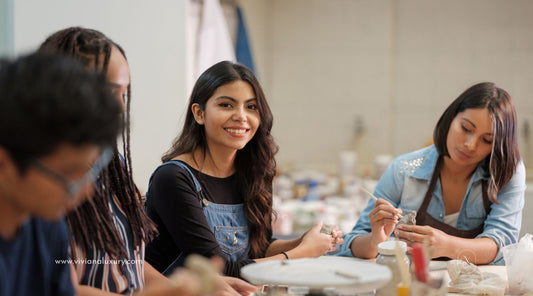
{"x": 213, "y": 193}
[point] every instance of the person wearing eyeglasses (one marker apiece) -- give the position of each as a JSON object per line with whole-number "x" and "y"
{"x": 109, "y": 232}
{"x": 73, "y": 187}
{"x": 56, "y": 122}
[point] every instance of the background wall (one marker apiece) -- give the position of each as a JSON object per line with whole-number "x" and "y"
{"x": 370, "y": 76}
{"x": 153, "y": 36}
{"x": 374, "y": 76}
{"x": 6, "y": 27}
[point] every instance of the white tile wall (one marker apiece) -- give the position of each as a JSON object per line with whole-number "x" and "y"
{"x": 395, "y": 64}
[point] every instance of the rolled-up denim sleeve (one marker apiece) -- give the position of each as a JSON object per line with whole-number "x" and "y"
{"x": 389, "y": 187}
{"x": 361, "y": 227}
{"x": 505, "y": 219}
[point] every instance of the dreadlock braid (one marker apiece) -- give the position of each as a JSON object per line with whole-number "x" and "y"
{"x": 91, "y": 224}
{"x": 140, "y": 216}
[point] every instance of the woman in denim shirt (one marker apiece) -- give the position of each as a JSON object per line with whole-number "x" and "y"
{"x": 467, "y": 188}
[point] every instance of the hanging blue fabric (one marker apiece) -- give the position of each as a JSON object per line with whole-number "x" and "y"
{"x": 243, "y": 52}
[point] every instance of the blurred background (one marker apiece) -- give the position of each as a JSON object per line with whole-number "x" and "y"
{"x": 351, "y": 83}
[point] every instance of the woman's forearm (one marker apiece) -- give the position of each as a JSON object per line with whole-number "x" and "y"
{"x": 478, "y": 250}
{"x": 279, "y": 245}
{"x": 364, "y": 247}
{"x": 292, "y": 253}
{"x": 152, "y": 276}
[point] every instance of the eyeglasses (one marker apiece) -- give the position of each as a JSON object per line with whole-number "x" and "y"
{"x": 73, "y": 187}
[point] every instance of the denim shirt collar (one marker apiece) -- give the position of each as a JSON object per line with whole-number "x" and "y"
{"x": 425, "y": 170}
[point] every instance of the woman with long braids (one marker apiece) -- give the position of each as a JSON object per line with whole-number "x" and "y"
{"x": 112, "y": 225}
{"x": 213, "y": 193}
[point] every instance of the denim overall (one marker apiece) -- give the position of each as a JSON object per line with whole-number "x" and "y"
{"x": 227, "y": 222}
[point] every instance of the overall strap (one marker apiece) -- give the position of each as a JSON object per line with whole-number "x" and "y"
{"x": 180, "y": 164}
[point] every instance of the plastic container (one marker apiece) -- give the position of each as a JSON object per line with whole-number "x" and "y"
{"x": 386, "y": 256}
{"x": 313, "y": 193}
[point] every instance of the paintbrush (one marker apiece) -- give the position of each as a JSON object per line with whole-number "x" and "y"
{"x": 375, "y": 198}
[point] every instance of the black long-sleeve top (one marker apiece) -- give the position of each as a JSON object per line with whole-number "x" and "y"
{"x": 173, "y": 204}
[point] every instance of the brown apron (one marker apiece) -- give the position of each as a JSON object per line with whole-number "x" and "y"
{"x": 423, "y": 218}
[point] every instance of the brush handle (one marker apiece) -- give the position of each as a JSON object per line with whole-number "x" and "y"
{"x": 375, "y": 198}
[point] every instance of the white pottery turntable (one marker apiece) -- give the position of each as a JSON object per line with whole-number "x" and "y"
{"x": 346, "y": 275}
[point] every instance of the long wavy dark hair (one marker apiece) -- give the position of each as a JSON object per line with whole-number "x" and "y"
{"x": 254, "y": 164}
{"x": 501, "y": 163}
{"x": 91, "y": 222}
